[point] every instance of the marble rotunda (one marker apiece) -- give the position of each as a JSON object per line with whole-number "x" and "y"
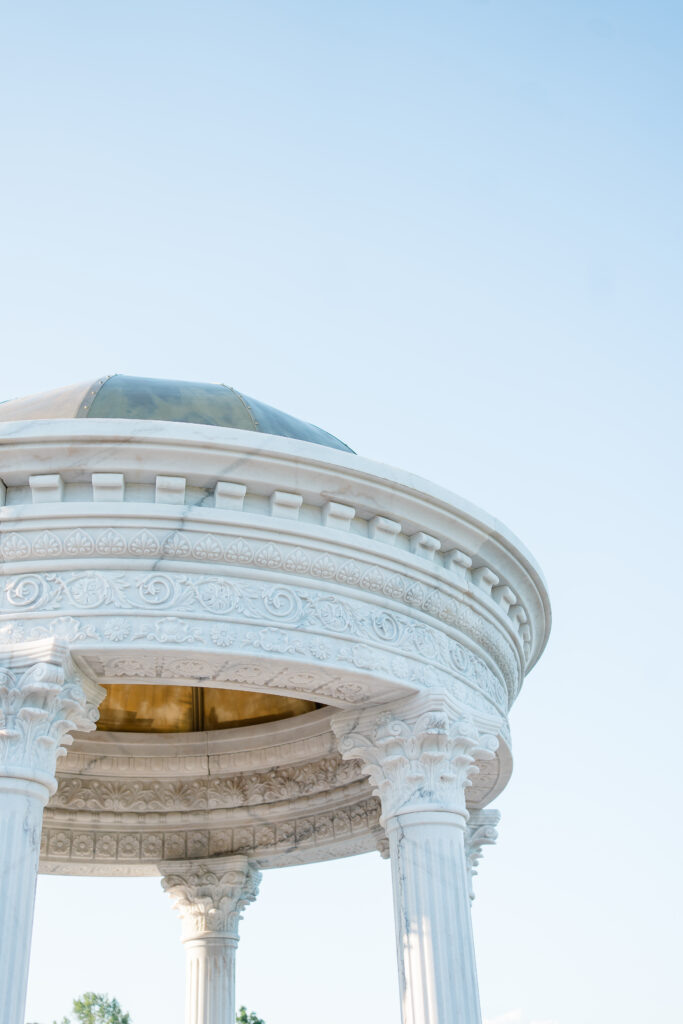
{"x": 229, "y": 643}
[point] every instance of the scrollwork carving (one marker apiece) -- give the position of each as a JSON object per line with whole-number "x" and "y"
{"x": 288, "y": 620}
{"x": 446, "y": 604}
{"x": 481, "y": 831}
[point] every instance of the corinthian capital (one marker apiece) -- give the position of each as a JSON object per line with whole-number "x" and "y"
{"x": 481, "y": 832}
{"x": 43, "y": 699}
{"x": 211, "y": 895}
{"x": 420, "y": 753}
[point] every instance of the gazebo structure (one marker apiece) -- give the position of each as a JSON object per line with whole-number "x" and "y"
{"x": 262, "y": 649}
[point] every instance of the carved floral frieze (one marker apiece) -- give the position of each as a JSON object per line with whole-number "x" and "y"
{"x": 307, "y": 837}
{"x": 225, "y": 792}
{"x": 172, "y": 609}
{"x": 449, "y": 603}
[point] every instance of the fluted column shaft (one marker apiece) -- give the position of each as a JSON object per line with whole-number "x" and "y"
{"x": 21, "y": 815}
{"x": 210, "y": 896}
{"x": 43, "y": 698}
{"x": 210, "y": 984}
{"x": 420, "y": 754}
{"x": 437, "y": 971}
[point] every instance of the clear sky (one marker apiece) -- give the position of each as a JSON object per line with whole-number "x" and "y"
{"x": 449, "y": 233}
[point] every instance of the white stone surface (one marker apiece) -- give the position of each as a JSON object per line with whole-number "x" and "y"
{"x": 21, "y": 807}
{"x": 210, "y": 897}
{"x": 421, "y": 754}
{"x": 371, "y": 616}
{"x": 279, "y": 792}
{"x": 42, "y": 699}
{"x": 436, "y": 963}
{"x": 380, "y": 587}
{"x": 198, "y": 555}
{"x": 481, "y": 832}
{"x": 108, "y": 487}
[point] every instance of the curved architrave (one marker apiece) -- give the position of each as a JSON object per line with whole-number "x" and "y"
{"x": 72, "y": 538}
{"x": 279, "y": 793}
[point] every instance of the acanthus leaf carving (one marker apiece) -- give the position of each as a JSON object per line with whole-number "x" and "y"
{"x": 43, "y": 699}
{"x": 420, "y": 753}
{"x": 213, "y": 791}
{"x": 210, "y": 896}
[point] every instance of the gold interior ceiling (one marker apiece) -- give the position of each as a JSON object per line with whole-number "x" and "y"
{"x": 141, "y": 707}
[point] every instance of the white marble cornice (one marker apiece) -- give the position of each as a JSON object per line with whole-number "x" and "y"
{"x": 205, "y": 456}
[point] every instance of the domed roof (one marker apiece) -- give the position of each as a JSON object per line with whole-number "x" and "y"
{"x": 177, "y": 401}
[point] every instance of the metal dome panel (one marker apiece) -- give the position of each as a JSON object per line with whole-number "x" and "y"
{"x": 175, "y": 401}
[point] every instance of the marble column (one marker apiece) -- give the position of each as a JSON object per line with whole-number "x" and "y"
{"x": 43, "y": 699}
{"x": 210, "y": 896}
{"x": 420, "y": 755}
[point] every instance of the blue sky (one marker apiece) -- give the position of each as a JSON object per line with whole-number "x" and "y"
{"x": 449, "y": 233}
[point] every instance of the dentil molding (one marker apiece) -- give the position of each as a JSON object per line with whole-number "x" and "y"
{"x": 298, "y": 508}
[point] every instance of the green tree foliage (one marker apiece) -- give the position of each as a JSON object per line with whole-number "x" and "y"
{"x": 248, "y": 1018}
{"x": 94, "y": 1008}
